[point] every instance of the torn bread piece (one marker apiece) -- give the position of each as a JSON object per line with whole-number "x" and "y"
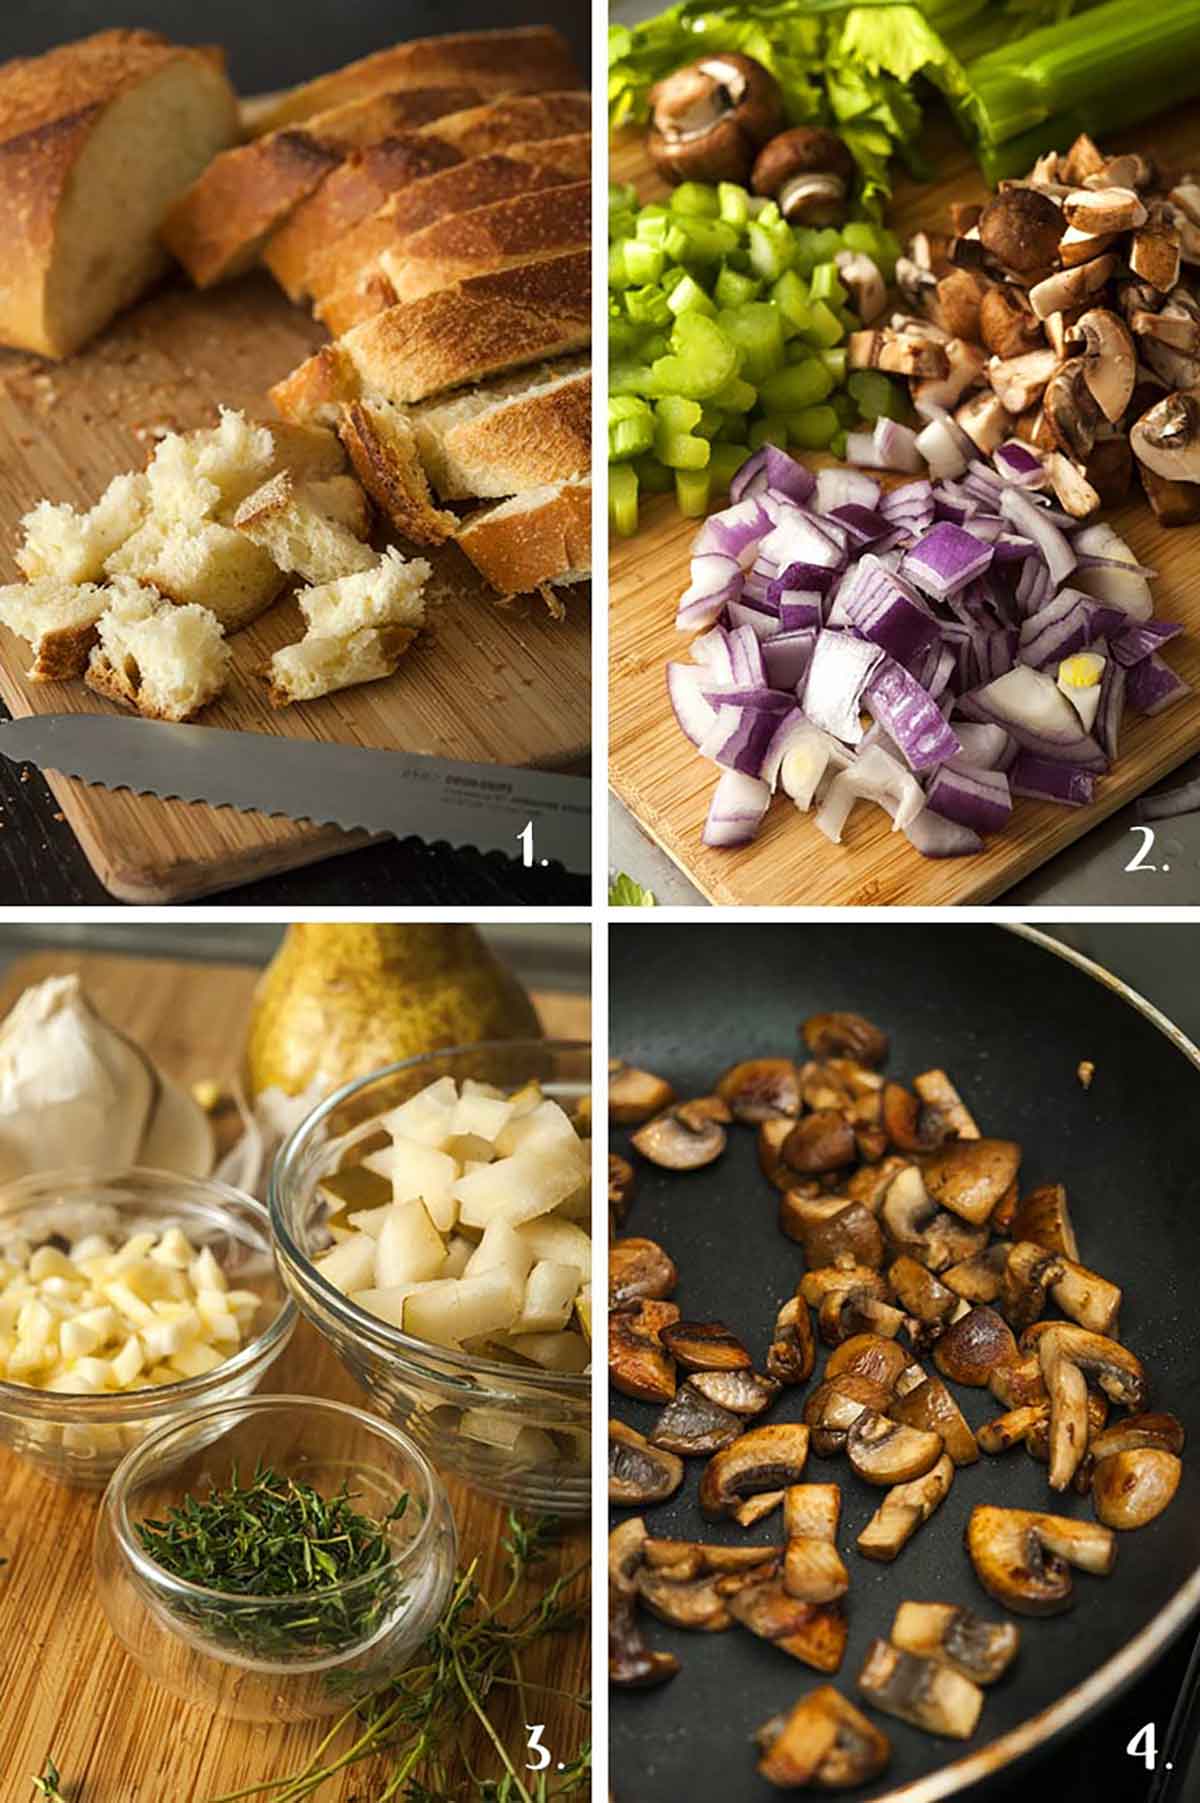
{"x": 524, "y": 228}
{"x": 192, "y": 474}
{"x": 65, "y": 546}
{"x": 462, "y": 334}
{"x": 58, "y": 621}
{"x": 343, "y": 500}
{"x": 286, "y": 521}
{"x": 199, "y": 561}
{"x": 390, "y": 593}
{"x": 538, "y": 540}
{"x": 496, "y": 62}
{"x": 383, "y": 449}
{"x": 320, "y": 665}
{"x": 165, "y": 662}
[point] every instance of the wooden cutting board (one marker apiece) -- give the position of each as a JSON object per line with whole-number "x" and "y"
{"x": 660, "y": 777}
{"x": 490, "y": 684}
{"x": 68, "y": 1690}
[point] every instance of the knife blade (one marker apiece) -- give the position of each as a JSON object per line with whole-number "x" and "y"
{"x": 532, "y": 815}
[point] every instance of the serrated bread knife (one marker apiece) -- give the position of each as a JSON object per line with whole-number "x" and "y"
{"x": 488, "y": 806}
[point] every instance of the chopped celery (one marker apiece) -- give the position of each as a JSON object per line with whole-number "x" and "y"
{"x": 825, "y": 285}
{"x": 654, "y": 477}
{"x": 677, "y": 414}
{"x": 859, "y": 234}
{"x": 874, "y": 395}
{"x": 623, "y": 499}
{"x": 622, "y": 198}
{"x": 827, "y": 241}
{"x": 769, "y": 431}
{"x": 835, "y": 362}
{"x": 733, "y": 203}
{"x": 733, "y": 289}
{"x": 630, "y": 427}
{"x": 671, "y": 276}
{"x": 618, "y": 275}
{"x": 622, "y": 225}
{"x": 681, "y": 450}
{"x": 724, "y": 464}
{"x": 791, "y": 297}
{"x": 771, "y": 249}
{"x": 846, "y": 408}
{"x": 837, "y": 446}
{"x": 689, "y": 297}
{"x": 629, "y": 377}
{"x": 797, "y": 386}
{"x": 757, "y": 330}
{"x": 647, "y": 306}
{"x": 736, "y": 396}
{"x": 824, "y": 327}
{"x": 703, "y": 359}
{"x": 710, "y": 422}
{"x": 813, "y": 429}
{"x": 705, "y": 240}
{"x": 691, "y": 493}
{"x": 643, "y": 262}
{"x": 695, "y": 200}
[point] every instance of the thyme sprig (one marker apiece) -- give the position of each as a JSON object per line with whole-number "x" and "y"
{"x": 418, "y": 1720}
{"x": 48, "y": 1784}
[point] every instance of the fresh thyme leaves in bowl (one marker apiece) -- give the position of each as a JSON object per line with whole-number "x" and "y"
{"x": 331, "y": 1567}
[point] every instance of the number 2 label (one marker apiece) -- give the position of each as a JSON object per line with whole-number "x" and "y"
{"x": 1138, "y": 860}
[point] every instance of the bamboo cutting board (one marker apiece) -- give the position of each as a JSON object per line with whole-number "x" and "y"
{"x": 67, "y": 1689}
{"x": 490, "y": 684}
{"x": 660, "y": 777}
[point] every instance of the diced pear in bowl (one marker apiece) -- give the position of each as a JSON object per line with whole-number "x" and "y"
{"x": 552, "y": 1237}
{"x": 483, "y": 1117}
{"x": 463, "y": 1308}
{"x": 422, "y": 1171}
{"x": 459, "y": 1250}
{"x": 502, "y": 1248}
{"x": 565, "y": 1352}
{"x": 536, "y": 1129}
{"x": 425, "y": 1116}
{"x": 409, "y": 1248}
{"x": 528, "y": 1445}
{"x": 388, "y": 1304}
{"x": 351, "y": 1265}
{"x": 524, "y": 1186}
{"x": 550, "y": 1292}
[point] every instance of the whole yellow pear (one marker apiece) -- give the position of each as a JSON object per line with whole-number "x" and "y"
{"x": 339, "y": 1000}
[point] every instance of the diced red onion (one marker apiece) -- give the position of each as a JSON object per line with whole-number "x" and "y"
{"x": 738, "y": 738}
{"x": 1032, "y": 522}
{"x": 774, "y": 469}
{"x": 1153, "y": 686}
{"x": 736, "y": 810}
{"x": 888, "y": 612}
{"x": 771, "y": 701}
{"x": 873, "y": 776}
{"x": 716, "y": 580}
{"x": 941, "y": 449}
{"x": 861, "y": 451}
{"x": 945, "y": 560}
{"x": 864, "y": 525}
{"x": 712, "y": 649}
{"x": 840, "y": 670}
{"x": 734, "y": 532}
{"x": 695, "y": 716}
{"x": 1045, "y": 779}
{"x": 1142, "y": 640}
{"x": 762, "y": 621}
{"x": 805, "y": 577}
{"x": 936, "y": 837}
{"x": 745, "y": 655}
{"x": 911, "y": 506}
{"x": 1029, "y": 705}
{"x": 1016, "y": 463}
{"x": 787, "y": 659}
{"x": 843, "y": 487}
{"x": 798, "y": 757}
{"x": 904, "y": 709}
{"x": 1107, "y": 728}
{"x": 896, "y": 447}
{"x": 983, "y": 747}
{"x": 974, "y": 797}
{"x": 800, "y": 612}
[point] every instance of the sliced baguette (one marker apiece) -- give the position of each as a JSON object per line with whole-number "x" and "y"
{"x": 489, "y": 239}
{"x": 165, "y": 662}
{"x": 462, "y": 334}
{"x": 202, "y": 562}
{"x": 218, "y": 227}
{"x": 570, "y": 155}
{"x": 383, "y": 449}
{"x": 479, "y": 130}
{"x": 537, "y": 540}
{"x": 495, "y": 62}
{"x": 489, "y": 445}
{"x": 286, "y": 521}
{"x": 67, "y": 547}
{"x": 58, "y": 620}
{"x": 97, "y": 140}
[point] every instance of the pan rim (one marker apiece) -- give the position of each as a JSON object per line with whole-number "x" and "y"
{"x": 1107, "y": 1682}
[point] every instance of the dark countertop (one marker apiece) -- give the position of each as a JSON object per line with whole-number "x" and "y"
{"x": 40, "y": 862}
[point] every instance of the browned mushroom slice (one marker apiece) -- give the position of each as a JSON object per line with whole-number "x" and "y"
{"x": 1162, "y": 1432}
{"x": 916, "y": 1225}
{"x": 938, "y": 1093}
{"x": 910, "y": 1128}
{"x": 824, "y": 1742}
{"x": 870, "y": 1142}
{"x": 975, "y": 1346}
{"x": 845, "y": 1275}
{"x": 1117, "y": 1371}
{"x": 820, "y": 1142}
{"x": 813, "y": 1632}
{"x": 930, "y": 1696}
{"x": 765, "y": 1458}
{"x": 744, "y": 1393}
{"x": 761, "y": 1089}
{"x": 637, "y": 1471}
{"x": 969, "y": 1176}
{"x": 757, "y": 1508}
{"x": 871, "y": 1182}
{"x": 1022, "y": 1557}
{"x": 883, "y": 1451}
{"x": 903, "y": 1510}
{"x": 844, "y": 1035}
{"x": 1068, "y": 1430}
{"x": 856, "y": 1309}
{"x": 811, "y": 1511}
{"x": 696, "y": 1557}
{"x": 849, "y": 1231}
{"x": 634, "y": 1095}
{"x": 918, "y": 1291}
{"x": 979, "y": 1279}
{"x": 772, "y": 1137}
{"x": 1001, "y": 1218}
{"x": 620, "y": 1187}
{"x": 1037, "y": 1434}
{"x": 932, "y": 1407}
{"x": 631, "y": 1664}
{"x": 831, "y": 1410}
{"x": 1131, "y": 1488}
{"x": 869, "y": 1355}
{"x": 1018, "y": 1384}
{"x": 793, "y": 1351}
{"x": 976, "y": 1649}
{"x": 705, "y": 1346}
{"x": 1028, "y": 1274}
{"x": 1089, "y": 1299}
{"x": 1043, "y": 1217}
{"x": 685, "y": 1138}
{"x": 691, "y": 1603}
{"x": 813, "y": 1570}
{"x": 626, "y": 1551}
{"x": 638, "y": 1364}
{"x": 691, "y": 1425}
{"x": 1010, "y": 1429}
{"x": 639, "y": 1271}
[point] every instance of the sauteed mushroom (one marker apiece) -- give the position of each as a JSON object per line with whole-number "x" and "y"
{"x": 844, "y": 1035}
{"x": 744, "y": 1393}
{"x": 684, "y": 1603}
{"x": 938, "y": 1093}
{"x": 685, "y": 1138}
{"x": 870, "y": 1183}
{"x": 902, "y": 1512}
{"x": 757, "y": 1508}
{"x": 695, "y": 1557}
{"x": 918, "y": 1290}
{"x": 620, "y": 1187}
{"x": 921, "y": 1691}
{"x": 638, "y": 1365}
{"x": 883, "y": 1451}
{"x": 977, "y": 1649}
{"x": 1029, "y": 1272}
{"x": 931, "y": 1406}
{"x": 823, "y": 1741}
{"x": 705, "y": 1346}
{"x": 854, "y": 1309}
{"x": 869, "y": 1355}
{"x": 910, "y": 1128}
{"x": 1023, "y": 1558}
{"x": 1118, "y": 1371}
{"x": 831, "y": 1229}
{"x": 819, "y": 1142}
{"x": 639, "y": 1271}
{"x": 1131, "y": 1488}
{"x": 811, "y": 1511}
{"x": 765, "y": 1458}
{"x": 813, "y": 1632}
{"x": 773, "y": 1136}
{"x": 816, "y": 1285}
{"x": 637, "y": 1471}
{"x": 969, "y": 1176}
{"x": 761, "y": 1089}
{"x": 1068, "y": 1393}
{"x": 813, "y": 1570}
{"x": 793, "y": 1351}
{"x": 915, "y": 1224}
{"x": 1090, "y": 1300}
{"x": 631, "y": 1664}
{"x": 634, "y": 1095}
{"x": 1162, "y": 1432}
{"x": 975, "y": 1347}
{"x": 691, "y": 1424}
{"x": 1043, "y": 1217}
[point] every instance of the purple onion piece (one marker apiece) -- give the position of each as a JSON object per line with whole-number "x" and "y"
{"x": 936, "y": 837}
{"x": 1045, "y": 779}
{"x": 973, "y": 797}
{"x": 736, "y": 811}
{"x": 913, "y": 719}
{"x": 1153, "y": 686}
{"x": 771, "y": 468}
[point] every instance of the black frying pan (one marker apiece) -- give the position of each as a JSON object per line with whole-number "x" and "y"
{"x": 1010, "y": 1017}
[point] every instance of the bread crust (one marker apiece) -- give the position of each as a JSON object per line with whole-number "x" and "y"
{"x": 523, "y": 441}
{"x": 491, "y": 238}
{"x": 518, "y": 550}
{"x": 393, "y": 642}
{"x": 62, "y": 654}
{"x": 496, "y": 62}
{"x": 388, "y": 464}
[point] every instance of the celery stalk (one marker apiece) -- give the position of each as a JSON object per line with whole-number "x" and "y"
{"x": 623, "y": 499}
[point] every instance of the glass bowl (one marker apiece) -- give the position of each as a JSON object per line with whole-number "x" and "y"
{"x": 428, "y": 1389}
{"x": 82, "y": 1439}
{"x": 261, "y": 1658}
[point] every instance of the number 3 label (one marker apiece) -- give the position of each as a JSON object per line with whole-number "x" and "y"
{"x": 535, "y": 1730}
{"x": 1144, "y": 1745}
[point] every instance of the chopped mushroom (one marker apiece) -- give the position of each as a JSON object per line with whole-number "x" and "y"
{"x": 919, "y": 1291}
{"x": 1021, "y": 229}
{"x": 757, "y": 1508}
{"x": 939, "y": 1095}
{"x": 744, "y": 1393}
{"x": 811, "y": 1511}
{"x": 869, "y": 1355}
{"x": 979, "y": 1279}
{"x": 761, "y": 1089}
{"x": 831, "y": 1410}
{"x": 1118, "y": 1371}
{"x": 638, "y": 1364}
{"x": 1167, "y": 438}
{"x": 637, "y": 1471}
{"x": 620, "y": 1187}
{"x": 1023, "y": 1558}
{"x": 1089, "y": 1299}
{"x": 969, "y": 1176}
{"x": 902, "y": 1512}
{"x": 1043, "y": 1217}
{"x": 1068, "y": 1393}
{"x": 823, "y": 1741}
{"x": 1131, "y": 1488}
{"x": 977, "y": 1649}
{"x": 831, "y": 1234}
{"x": 693, "y": 1603}
{"x": 883, "y": 1451}
{"x": 854, "y": 1309}
{"x": 682, "y": 1139}
{"x": 631, "y": 1664}
{"x": 819, "y": 1142}
{"x": 765, "y": 1458}
{"x": 813, "y": 1632}
{"x": 975, "y": 1347}
{"x": 931, "y": 1406}
{"x": 845, "y": 1035}
{"x": 1108, "y": 358}
{"x": 813, "y": 1570}
{"x": 910, "y": 1128}
{"x": 915, "y": 1224}
{"x": 1029, "y": 1272}
{"x": 634, "y": 1095}
{"x": 708, "y": 119}
{"x": 639, "y": 1270}
{"x": 931, "y": 1696}
{"x": 816, "y": 1285}
{"x": 691, "y": 1425}
{"x": 793, "y": 1351}
{"x": 705, "y": 1346}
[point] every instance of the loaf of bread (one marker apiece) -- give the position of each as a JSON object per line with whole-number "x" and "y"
{"x": 462, "y": 334}
{"x": 538, "y": 540}
{"x": 287, "y": 522}
{"x": 165, "y": 662}
{"x": 495, "y": 62}
{"x": 219, "y": 226}
{"x": 523, "y": 229}
{"x": 97, "y": 140}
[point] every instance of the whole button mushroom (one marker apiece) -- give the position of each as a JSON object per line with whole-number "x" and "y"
{"x": 808, "y": 171}
{"x": 709, "y": 119}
